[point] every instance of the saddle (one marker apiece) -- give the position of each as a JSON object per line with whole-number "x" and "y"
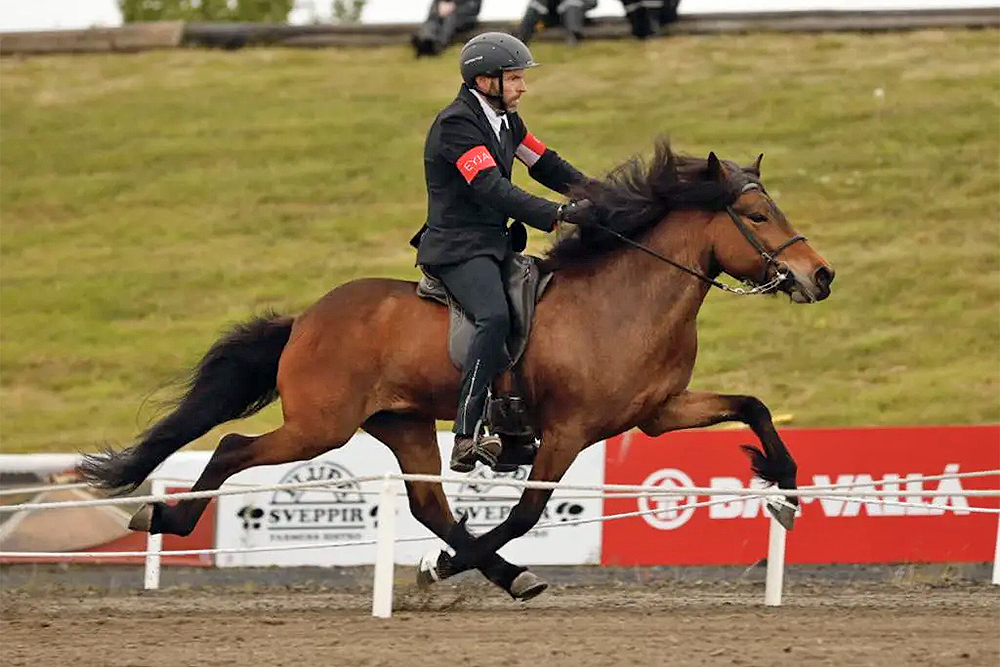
{"x": 526, "y": 283}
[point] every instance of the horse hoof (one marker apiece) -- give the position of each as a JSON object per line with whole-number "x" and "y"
{"x": 142, "y": 521}
{"x": 427, "y": 573}
{"x": 783, "y": 511}
{"x": 527, "y": 585}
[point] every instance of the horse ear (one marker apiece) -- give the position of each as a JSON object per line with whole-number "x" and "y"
{"x": 715, "y": 167}
{"x": 756, "y": 165}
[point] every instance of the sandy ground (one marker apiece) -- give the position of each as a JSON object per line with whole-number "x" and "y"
{"x": 45, "y": 621}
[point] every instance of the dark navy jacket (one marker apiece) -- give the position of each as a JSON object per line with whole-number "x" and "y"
{"x": 469, "y": 193}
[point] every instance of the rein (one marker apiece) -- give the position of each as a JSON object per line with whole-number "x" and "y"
{"x": 771, "y": 258}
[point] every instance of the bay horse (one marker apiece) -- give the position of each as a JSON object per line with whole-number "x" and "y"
{"x": 613, "y": 347}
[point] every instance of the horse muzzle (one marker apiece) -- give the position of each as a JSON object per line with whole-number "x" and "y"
{"x": 809, "y": 288}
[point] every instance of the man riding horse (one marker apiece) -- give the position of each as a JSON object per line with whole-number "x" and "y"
{"x": 466, "y": 243}
{"x": 372, "y": 353}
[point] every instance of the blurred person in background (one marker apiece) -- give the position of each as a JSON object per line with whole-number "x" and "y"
{"x": 646, "y": 17}
{"x": 466, "y": 243}
{"x": 444, "y": 20}
{"x": 548, "y": 13}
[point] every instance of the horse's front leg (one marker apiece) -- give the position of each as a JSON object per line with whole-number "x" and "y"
{"x": 773, "y": 464}
{"x": 551, "y": 463}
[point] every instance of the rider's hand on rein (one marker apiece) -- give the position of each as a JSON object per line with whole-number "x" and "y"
{"x": 576, "y": 212}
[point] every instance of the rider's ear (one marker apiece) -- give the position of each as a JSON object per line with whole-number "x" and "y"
{"x": 755, "y": 169}
{"x": 715, "y": 167}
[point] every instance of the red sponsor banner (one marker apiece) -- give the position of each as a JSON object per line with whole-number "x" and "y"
{"x": 832, "y": 530}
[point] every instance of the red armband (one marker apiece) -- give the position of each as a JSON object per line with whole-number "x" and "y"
{"x": 530, "y": 150}
{"x": 474, "y": 161}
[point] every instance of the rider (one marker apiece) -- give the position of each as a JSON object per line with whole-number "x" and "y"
{"x": 468, "y": 156}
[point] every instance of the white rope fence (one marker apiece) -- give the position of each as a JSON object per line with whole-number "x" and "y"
{"x": 650, "y": 491}
{"x": 27, "y": 490}
{"x": 386, "y": 539}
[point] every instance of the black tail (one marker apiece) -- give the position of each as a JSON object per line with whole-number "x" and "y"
{"x": 236, "y": 378}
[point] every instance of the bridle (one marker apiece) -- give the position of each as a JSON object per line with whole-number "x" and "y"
{"x": 770, "y": 257}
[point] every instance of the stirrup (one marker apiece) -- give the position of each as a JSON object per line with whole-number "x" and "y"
{"x": 508, "y": 415}
{"x": 516, "y": 452}
{"x": 487, "y": 448}
{"x": 484, "y": 448}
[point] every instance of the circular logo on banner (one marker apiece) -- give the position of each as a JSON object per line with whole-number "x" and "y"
{"x": 665, "y": 512}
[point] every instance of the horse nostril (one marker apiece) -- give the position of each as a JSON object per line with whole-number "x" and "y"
{"x": 824, "y": 276}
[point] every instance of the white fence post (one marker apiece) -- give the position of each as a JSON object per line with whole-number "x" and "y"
{"x": 996, "y": 556}
{"x": 154, "y": 544}
{"x": 384, "y": 556}
{"x": 775, "y": 564}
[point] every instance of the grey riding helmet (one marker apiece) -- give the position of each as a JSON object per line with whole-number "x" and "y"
{"x": 492, "y": 53}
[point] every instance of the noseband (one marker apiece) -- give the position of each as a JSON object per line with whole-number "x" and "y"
{"x": 770, "y": 257}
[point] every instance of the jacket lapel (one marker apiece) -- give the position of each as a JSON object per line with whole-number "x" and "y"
{"x": 502, "y": 152}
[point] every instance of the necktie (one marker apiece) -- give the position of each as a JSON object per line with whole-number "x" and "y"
{"x": 504, "y": 138}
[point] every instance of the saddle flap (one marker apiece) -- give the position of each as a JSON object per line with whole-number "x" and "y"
{"x": 525, "y": 285}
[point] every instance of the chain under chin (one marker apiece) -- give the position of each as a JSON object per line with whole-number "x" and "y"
{"x": 770, "y": 286}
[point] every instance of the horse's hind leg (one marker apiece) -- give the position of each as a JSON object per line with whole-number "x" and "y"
{"x": 413, "y": 441}
{"x": 234, "y": 453}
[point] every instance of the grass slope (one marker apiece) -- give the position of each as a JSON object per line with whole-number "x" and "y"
{"x": 146, "y": 201}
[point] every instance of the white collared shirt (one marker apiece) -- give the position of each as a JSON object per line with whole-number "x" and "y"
{"x": 496, "y": 118}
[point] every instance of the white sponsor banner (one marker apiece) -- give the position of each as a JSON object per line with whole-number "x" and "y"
{"x": 349, "y": 512}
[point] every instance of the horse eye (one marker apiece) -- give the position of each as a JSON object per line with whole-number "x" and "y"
{"x": 757, "y": 217}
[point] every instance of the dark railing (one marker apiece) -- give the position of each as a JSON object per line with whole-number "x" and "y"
{"x": 145, "y": 36}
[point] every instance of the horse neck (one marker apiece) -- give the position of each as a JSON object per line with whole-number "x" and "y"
{"x": 653, "y": 287}
{"x": 641, "y": 310}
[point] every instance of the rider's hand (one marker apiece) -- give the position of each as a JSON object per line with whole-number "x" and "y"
{"x": 577, "y": 212}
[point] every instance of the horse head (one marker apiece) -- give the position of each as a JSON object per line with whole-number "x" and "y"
{"x": 753, "y": 240}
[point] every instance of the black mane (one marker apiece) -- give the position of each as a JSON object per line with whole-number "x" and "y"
{"x": 636, "y": 195}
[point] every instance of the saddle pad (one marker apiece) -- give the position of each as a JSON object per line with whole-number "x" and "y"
{"x": 525, "y": 285}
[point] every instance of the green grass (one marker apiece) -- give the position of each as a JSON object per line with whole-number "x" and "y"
{"x": 147, "y": 201}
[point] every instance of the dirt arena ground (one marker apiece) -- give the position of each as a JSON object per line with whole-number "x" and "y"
{"x": 615, "y": 620}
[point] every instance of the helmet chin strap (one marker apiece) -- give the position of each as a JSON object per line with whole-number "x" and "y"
{"x": 496, "y": 98}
